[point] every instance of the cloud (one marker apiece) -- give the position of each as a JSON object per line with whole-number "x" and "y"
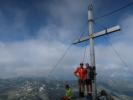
{"x": 32, "y": 58}
{"x": 116, "y": 61}
{"x": 36, "y": 56}
{"x": 65, "y": 19}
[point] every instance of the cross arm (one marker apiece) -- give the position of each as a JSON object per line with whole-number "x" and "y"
{"x": 106, "y": 31}
{"x": 98, "y": 34}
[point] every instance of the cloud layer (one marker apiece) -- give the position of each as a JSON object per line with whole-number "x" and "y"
{"x": 36, "y": 56}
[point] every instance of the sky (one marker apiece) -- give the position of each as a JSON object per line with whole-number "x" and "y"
{"x": 34, "y": 34}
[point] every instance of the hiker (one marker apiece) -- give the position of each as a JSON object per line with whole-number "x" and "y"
{"x": 68, "y": 94}
{"x": 81, "y": 72}
{"x": 89, "y": 79}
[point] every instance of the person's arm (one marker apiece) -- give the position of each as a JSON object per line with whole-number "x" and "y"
{"x": 76, "y": 72}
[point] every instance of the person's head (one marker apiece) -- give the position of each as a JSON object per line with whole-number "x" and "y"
{"x": 81, "y": 65}
{"x": 87, "y": 65}
{"x": 67, "y": 86}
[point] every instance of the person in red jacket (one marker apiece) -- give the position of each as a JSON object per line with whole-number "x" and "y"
{"x": 81, "y": 73}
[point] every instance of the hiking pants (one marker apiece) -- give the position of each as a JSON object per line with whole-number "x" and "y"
{"x": 81, "y": 87}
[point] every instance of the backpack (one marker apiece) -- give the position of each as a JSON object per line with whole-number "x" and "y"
{"x": 90, "y": 73}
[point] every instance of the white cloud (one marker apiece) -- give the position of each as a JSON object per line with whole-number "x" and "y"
{"x": 33, "y": 57}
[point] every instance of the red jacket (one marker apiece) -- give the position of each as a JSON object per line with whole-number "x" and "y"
{"x": 81, "y": 73}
